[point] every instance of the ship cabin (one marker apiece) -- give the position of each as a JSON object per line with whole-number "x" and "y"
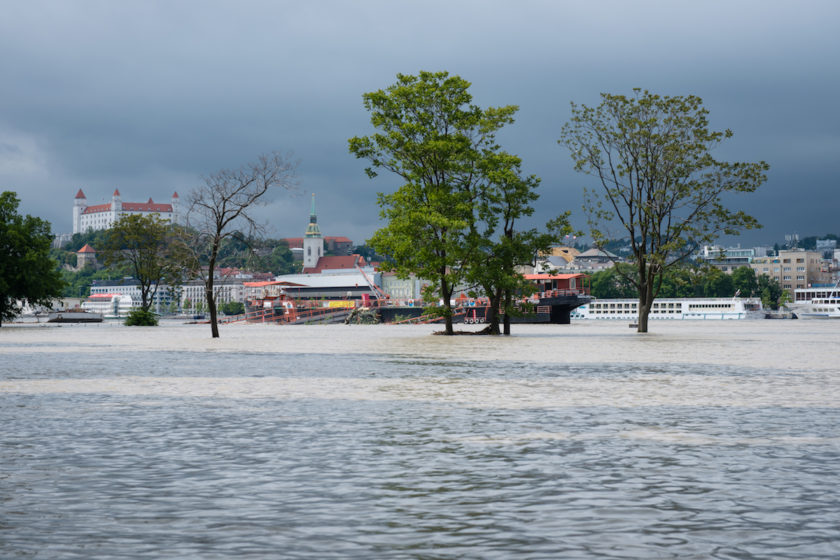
{"x": 554, "y": 285}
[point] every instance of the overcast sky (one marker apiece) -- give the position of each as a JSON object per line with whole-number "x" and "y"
{"x": 147, "y": 96}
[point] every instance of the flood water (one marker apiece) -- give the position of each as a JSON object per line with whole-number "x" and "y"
{"x": 698, "y": 440}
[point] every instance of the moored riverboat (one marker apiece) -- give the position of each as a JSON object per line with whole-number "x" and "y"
{"x": 816, "y": 303}
{"x": 678, "y": 309}
{"x": 74, "y": 316}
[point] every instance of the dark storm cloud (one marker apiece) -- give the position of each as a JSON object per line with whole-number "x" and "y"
{"x": 147, "y": 96}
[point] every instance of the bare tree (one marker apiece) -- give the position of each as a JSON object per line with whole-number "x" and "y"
{"x": 222, "y": 207}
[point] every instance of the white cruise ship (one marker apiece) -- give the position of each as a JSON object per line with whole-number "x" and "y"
{"x": 816, "y": 303}
{"x": 673, "y": 309}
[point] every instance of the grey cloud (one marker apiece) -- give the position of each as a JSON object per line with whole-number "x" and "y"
{"x": 150, "y": 95}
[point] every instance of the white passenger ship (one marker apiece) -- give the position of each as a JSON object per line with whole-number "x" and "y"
{"x": 673, "y": 309}
{"x": 816, "y": 303}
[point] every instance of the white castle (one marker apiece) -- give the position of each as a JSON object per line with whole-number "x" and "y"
{"x": 103, "y": 216}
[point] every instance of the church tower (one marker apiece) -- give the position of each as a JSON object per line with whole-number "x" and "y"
{"x": 116, "y": 208}
{"x": 176, "y": 209}
{"x": 313, "y": 242}
{"x": 79, "y": 206}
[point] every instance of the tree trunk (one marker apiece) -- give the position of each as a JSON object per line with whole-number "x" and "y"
{"x": 208, "y": 290}
{"x": 493, "y": 313}
{"x": 446, "y": 295}
{"x": 145, "y": 304}
{"x": 645, "y": 304}
{"x": 508, "y": 301}
{"x": 644, "y": 311}
{"x": 211, "y": 306}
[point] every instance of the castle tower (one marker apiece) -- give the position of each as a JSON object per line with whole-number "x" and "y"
{"x": 86, "y": 256}
{"x": 176, "y": 208}
{"x": 116, "y": 207}
{"x": 79, "y": 205}
{"x": 313, "y": 242}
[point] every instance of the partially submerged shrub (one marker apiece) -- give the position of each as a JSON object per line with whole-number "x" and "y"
{"x": 141, "y": 318}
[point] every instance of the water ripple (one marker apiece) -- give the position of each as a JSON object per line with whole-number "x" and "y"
{"x": 296, "y": 455}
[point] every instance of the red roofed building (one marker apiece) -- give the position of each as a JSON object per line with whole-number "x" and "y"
{"x": 86, "y": 256}
{"x": 337, "y": 262}
{"x": 560, "y": 283}
{"x": 103, "y": 216}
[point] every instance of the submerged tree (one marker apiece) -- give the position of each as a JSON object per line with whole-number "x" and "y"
{"x": 506, "y": 198}
{"x": 658, "y": 180}
{"x": 222, "y": 207}
{"x": 440, "y": 220}
{"x": 151, "y": 248}
{"x": 27, "y": 273}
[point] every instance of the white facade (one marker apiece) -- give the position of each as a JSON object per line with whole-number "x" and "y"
{"x": 160, "y": 301}
{"x": 224, "y": 292}
{"x": 673, "y": 309}
{"x": 110, "y": 304}
{"x": 403, "y": 289}
{"x": 103, "y": 216}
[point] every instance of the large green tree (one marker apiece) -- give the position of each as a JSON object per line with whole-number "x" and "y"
{"x": 658, "y": 180}
{"x": 744, "y": 281}
{"x": 27, "y": 273}
{"x": 431, "y": 135}
{"x": 152, "y": 249}
{"x": 506, "y": 198}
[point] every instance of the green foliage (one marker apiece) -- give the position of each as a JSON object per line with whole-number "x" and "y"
{"x": 232, "y": 308}
{"x": 141, "y": 318}
{"x": 27, "y": 273}
{"x": 744, "y": 281}
{"x": 93, "y": 238}
{"x": 613, "y": 282}
{"x": 659, "y": 183}
{"x": 505, "y": 198}
{"x": 77, "y": 283}
{"x": 771, "y": 292}
{"x": 63, "y": 258}
{"x": 279, "y": 261}
{"x": 690, "y": 280}
{"x": 453, "y": 219}
{"x": 434, "y": 138}
{"x": 368, "y": 252}
{"x": 151, "y": 248}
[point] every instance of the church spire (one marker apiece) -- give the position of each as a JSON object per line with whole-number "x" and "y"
{"x": 313, "y": 230}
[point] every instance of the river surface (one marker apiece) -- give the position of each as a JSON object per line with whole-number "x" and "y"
{"x": 698, "y": 440}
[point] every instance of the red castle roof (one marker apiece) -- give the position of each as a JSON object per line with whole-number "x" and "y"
{"x": 131, "y": 207}
{"x": 149, "y": 206}
{"x": 97, "y": 208}
{"x": 146, "y": 207}
{"x": 87, "y": 249}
